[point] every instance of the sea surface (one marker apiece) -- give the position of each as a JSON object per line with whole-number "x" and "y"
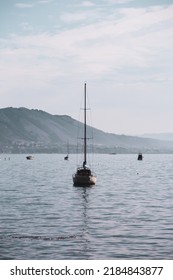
{"x": 128, "y": 214}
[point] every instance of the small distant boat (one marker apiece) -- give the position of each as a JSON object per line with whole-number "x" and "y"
{"x": 67, "y": 156}
{"x": 140, "y": 156}
{"x": 84, "y": 176}
{"x": 29, "y": 157}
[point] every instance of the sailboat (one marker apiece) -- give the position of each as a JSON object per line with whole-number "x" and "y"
{"x": 66, "y": 157}
{"x": 84, "y": 176}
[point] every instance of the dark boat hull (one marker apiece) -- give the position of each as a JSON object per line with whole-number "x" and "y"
{"x": 84, "y": 176}
{"x": 29, "y": 157}
{"x": 84, "y": 180}
{"x": 140, "y": 157}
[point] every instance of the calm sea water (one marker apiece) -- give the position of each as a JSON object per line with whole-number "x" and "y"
{"x": 127, "y": 215}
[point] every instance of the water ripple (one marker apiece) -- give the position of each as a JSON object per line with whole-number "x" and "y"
{"x": 43, "y": 238}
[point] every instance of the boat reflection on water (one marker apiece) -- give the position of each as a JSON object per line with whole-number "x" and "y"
{"x": 83, "y": 197}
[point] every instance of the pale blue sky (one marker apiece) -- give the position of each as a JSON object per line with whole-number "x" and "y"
{"x": 122, "y": 48}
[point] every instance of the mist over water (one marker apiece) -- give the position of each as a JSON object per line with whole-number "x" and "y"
{"x": 127, "y": 215}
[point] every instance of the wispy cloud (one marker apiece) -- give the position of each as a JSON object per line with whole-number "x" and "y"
{"x": 23, "y": 5}
{"x": 118, "y": 1}
{"x": 134, "y": 40}
{"x": 45, "y": 1}
{"x": 26, "y": 26}
{"x": 127, "y": 52}
{"x": 87, "y": 4}
{"x": 74, "y": 17}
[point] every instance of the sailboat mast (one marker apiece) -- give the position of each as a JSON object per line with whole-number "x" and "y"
{"x": 85, "y": 143}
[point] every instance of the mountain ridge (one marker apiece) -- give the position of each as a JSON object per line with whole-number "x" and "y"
{"x": 26, "y": 130}
{"x": 168, "y": 136}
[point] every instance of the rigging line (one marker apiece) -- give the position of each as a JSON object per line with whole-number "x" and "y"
{"x": 90, "y": 122}
{"x": 79, "y": 130}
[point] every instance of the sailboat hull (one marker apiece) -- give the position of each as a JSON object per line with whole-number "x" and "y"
{"x": 84, "y": 176}
{"x": 79, "y": 180}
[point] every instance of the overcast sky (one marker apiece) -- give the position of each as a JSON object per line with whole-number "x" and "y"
{"x": 123, "y": 49}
